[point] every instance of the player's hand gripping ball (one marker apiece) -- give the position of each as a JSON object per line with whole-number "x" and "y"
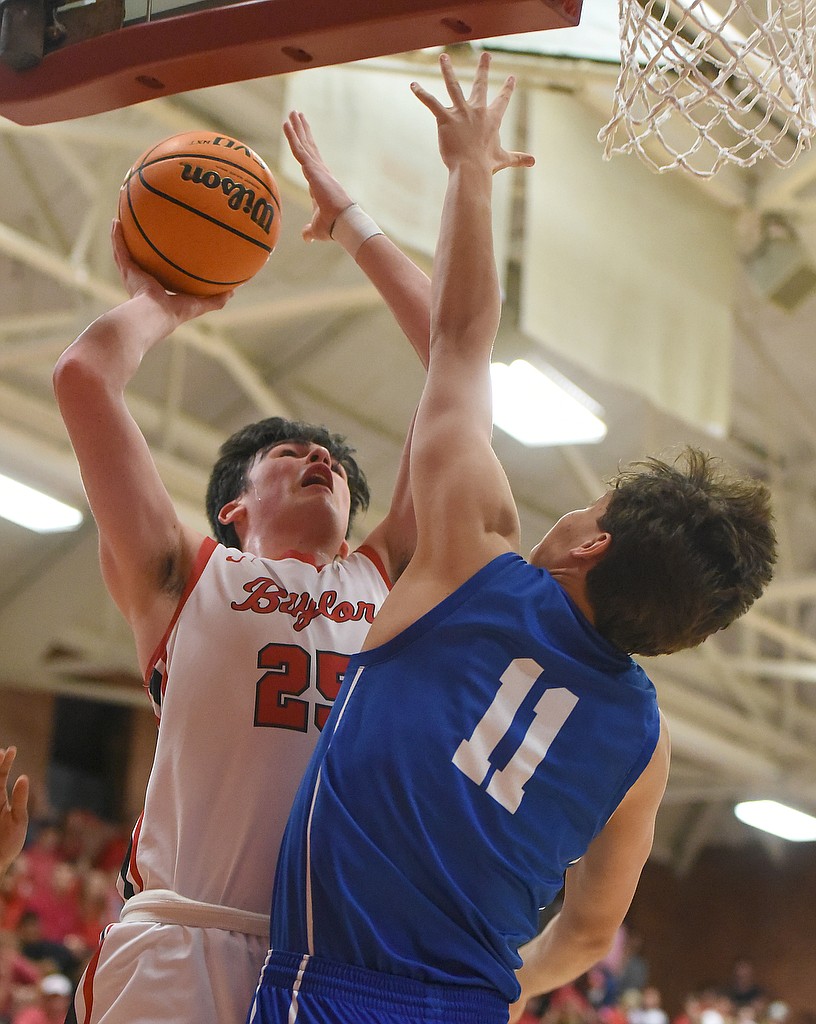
{"x": 200, "y": 212}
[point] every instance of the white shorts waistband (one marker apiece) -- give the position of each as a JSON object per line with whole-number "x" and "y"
{"x": 163, "y": 906}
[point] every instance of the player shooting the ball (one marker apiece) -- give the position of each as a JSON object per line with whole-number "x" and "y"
{"x": 242, "y": 639}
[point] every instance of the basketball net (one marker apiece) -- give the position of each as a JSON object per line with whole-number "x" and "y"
{"x": 699, "y": 89}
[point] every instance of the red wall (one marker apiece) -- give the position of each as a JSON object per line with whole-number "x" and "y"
{"x": 733, "y": 903}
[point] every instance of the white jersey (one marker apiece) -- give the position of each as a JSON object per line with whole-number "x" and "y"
{"x": 242, "y": 684}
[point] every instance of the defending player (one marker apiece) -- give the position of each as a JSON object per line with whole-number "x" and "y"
{"x": 242, "y": 643}
{"x": 494, "y": 735}
{"x": 13, "y": 812}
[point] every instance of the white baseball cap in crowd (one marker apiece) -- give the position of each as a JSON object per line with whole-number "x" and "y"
{"x": 56, "y": 985}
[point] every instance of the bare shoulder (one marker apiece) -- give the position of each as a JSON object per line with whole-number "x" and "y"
{"x": 645, "y": 795}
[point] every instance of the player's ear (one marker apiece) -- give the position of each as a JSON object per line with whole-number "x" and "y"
{"x": 593, "y": 549}
{"x": 232, "y": 511}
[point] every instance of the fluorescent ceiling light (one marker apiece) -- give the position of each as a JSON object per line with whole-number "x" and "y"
{"x": 34, "y": 510}
{"x": 778, "y": 819}
{"x": 543, "y": 409}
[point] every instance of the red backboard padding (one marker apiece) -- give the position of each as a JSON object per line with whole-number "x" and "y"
{"x": 252, "y": 40}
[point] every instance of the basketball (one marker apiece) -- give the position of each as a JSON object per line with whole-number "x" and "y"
{"x": 200, "y": 212}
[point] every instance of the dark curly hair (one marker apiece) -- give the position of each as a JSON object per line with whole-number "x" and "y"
{"x": 228, "y": 478}
{"x": 692, "y": 548}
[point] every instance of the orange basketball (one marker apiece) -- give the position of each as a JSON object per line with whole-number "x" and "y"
{"x": 200, "y": 212}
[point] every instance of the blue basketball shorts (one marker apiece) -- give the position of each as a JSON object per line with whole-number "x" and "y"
{"x": 300, "y": 989}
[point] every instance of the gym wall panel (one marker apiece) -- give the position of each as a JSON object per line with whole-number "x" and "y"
{"x": 627, "y": 273}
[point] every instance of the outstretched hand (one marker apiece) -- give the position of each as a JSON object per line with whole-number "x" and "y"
{"x": 13, "y": 812}
{"x": 329, "y": 198}
{"x": 469, "y": 129}
{"x": 181, "y": 305}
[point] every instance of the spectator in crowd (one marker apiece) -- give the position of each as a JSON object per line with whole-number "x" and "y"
{"x": 748, "y": 1013}
{"x": 43, "y": 856}
{"x": 743, "y": 988}
{"x": 56, "y": 901}
{"x": 716, "y": 1006}
{"x": 650, "y": 1010}
{"x": 568, "y": 1005}
{"x": 601, "y": 989}
{"x": 51, "y": 956}
{"x": 15, "y": 889}
{"x": 692, "y": 1010}
{"x": 633, "y": 972}
{"x": 99, "y": 905}
{"x": 16, "y": 973}
{"x": 778, "y": 1012}
{"x": 51, "y": 1004}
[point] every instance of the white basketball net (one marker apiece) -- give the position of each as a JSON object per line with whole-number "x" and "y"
{"x": 699, "y": 89}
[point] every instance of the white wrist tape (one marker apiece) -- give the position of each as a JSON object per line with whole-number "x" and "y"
{"x": 353, "y": 227}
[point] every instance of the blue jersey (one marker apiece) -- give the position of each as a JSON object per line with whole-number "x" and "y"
{"x": 466, "y": 764}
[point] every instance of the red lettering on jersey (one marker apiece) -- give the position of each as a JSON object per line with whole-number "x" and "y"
{"x": 265, "y": 595}
{"x": 279, "y": 701}
{"x": 331, "y": 668}
{"x": 344, "y": 612}
{"x": 276, "y": 693}
{"x": 301, "y": 607}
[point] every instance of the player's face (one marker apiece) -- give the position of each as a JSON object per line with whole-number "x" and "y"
{"x": 301, "y": 476}
{"x": 570, "y": 532}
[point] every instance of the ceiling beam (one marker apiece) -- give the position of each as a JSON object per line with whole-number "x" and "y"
{"x": 790, "y": 588}
{"x": 791, "y": 638}
{"x": 276, "y": 312}
{"x": 684, "y": 696}
{"x": 766, "y": 738}
{"x": 79, "y": 278}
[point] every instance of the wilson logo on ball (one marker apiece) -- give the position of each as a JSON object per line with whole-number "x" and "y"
{"x": 239, "y": 197}
{"x": 200, "y": 212}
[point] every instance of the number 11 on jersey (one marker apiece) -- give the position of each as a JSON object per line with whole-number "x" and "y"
{"x": 551, "y": 712}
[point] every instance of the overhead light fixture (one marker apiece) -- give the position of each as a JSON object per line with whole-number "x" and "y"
{"x": 34, "y": 510}
{"x": 543, "y": 408}
{"x": 778, "y": 819}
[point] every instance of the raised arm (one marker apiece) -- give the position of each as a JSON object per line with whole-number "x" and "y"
{"x": 465, "y": 512}
{"x": 405, "y": 289}
{"x": 599, "y": 889}
{"x": 13, "y": 811}
{"x": 145, "y": 551}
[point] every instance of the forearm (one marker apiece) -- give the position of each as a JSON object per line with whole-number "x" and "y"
{"x": 466, "y": 302}
{"x": 558, "y": 955}
{"x": 113, "y": 346}
{"x": 405, "y": 289}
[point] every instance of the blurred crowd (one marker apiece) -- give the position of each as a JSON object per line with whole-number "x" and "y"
{"x": 618, "y": 991}
{"x": 55, "y": 900}
{"x": 60, "y": 894}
